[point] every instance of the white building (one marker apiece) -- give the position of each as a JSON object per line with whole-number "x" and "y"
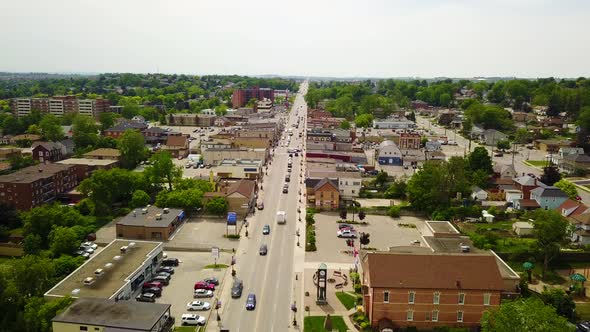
{"x": 349, "y": 183}
{"x": 522, "y": 228}
{"x": 478, "y": 194}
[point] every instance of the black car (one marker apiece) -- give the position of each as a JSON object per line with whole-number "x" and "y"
{"x": 263, "y": 250}
{"x": 154, "y": 290}
{"x": 237, "y": 288}
{"x": 212, "y": 280}
{"x": 166, "y": 269}
{"x": 170, "y": 262}
{"x": 251, "y": 302}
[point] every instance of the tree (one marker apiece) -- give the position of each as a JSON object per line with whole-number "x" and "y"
{"x": 162, "y": 169}
{"x": 34, "y": 130}
{"x": 140, "y": 198}
{"x": 479, "y": 159}
{"x": 84, "y": 132}
{"x": 32, "y": 244}
{"x": 363, "y": 121}
{"x": 33, "y": 275}
{"x": 503, "y": 145}
{"x": 107, "y": 120}
{"x": 562, "y": 302}
{"x": 345, "y": 124}
{"x": 550, "y": 175}
{"x": 38, "y": 312}
{"x": 425, "y": 190}
{"x": 188, "y": 200}
{"x": 9, "y": 217}
{"x": 445, "y": 100}
{"x": 381, "y": 178}
{"x": 51, "y": 128}
{"x": 396, "y": 190}
{"x": 364, "y": 239}
{"x": 567, "y": 187}
{"x": 551, "y": 230}
{"x": 362, "y": 215}
{"x": 343, "y": 214}
{"x": 522, "y": 136}
{"x": 524, "y": 315}
{"x": 412, "y": 116}
{"x": 132, "y": 147}
{"x": 63, "y": 240}
{"x": 217, "y": 206}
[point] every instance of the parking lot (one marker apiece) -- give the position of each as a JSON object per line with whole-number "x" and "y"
{"x": 191, "y": 269}
{"x": 202, "y": 233}
{"x": 384, "y": 232}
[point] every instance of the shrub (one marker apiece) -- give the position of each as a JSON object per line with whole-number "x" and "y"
{"x": 233, "y": 236}
{"x": 123, "y": 212}
{"x": 394, "y": 211}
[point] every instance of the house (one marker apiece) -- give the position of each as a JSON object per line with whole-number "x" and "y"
{"x": 48, "y": 151}
{"x": 322, "y": 194}
{"x": 349, "y": 183}
{"x": 240, "y": 194}
{"x": 504, "y": 171}
{"x": 522, "y": 228}
{"x": 570, "y": 208}
{"x": 150, "y": 223}
{"x": 96, "y": 314}
{"x": 491, "y": 137}
{"x": 178, "y": 146}
{"x": 552, "y": 146}
{"x": 104, "y": 154}
{"x": 431, "y": 290}
{"x": 575, "y": 162}
{"x": 9, "y": 153}
{"x": 526, "y": 204}
{"x": 526, "y": 183}
{"x": 549, "y": 198}
{"x": 478, "y": 194}
{"x": 581, "y": 233}
{"x": 564, "y": 151}
{"x": 512, "y": 195}
{"x": 117, "y": 130}
{"x": 389, "y": 154}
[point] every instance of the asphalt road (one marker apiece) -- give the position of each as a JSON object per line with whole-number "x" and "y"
{"x": 270, "y": 277}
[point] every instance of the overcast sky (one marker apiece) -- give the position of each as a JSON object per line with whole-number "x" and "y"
{"x": 377, "y": 38}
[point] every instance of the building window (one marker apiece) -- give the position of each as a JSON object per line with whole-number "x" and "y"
{"x": 461, "y": 298}
{"x": 83, "y": 328}
{"x": 410, "y": 315}
{"x": 460, "y": 316}
{"x": 435, "y": 315}
{"x": 411, "y": 297}
{"x": 486, "y": 298}
{"x": 427, "y": 316}
{"x": 386, "y": 297}
{"x": 436, "y": 298}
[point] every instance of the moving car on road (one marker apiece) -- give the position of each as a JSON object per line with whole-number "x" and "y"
{"x": 266, "y": 229}
{"x": 251, "y": 302}
{"x": 260, "y": 205}
{"x": 237, "y": 288}
{"x": 263, "y": 250}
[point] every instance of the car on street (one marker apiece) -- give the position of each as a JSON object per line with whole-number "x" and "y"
{"x": 154, "y": 290}
{"x": 166, "y": 269}
{"x": 170, "y": 262}
{"x": 203, "y": 293}
{"x": 285, "y": 188}
{"x": 146, "y": 297}
{"x": 83, "y": 254}
{"x": 188, "y": 165}
{"x": 237, "y": 288}
{"x": 263, "y": 250}
{"x": 266, "y": 229}
{"x": 346, "y": 233}
{"x": 260, "y": 205}
{"x": 499, "y": 154}
{"x": 288, "y": 178}
{"x": 289, "y": 169}
{"x": 204, "y": 285}
{"x": 198, "y": 306}
{"x": 212, "y": 280}
{"x": 191, "y": 319}
{"x": 164, "y": 274}
{"x": 251, "y": 302}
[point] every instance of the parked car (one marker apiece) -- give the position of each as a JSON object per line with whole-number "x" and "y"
{"x": 263, "y": 250}
{"x": 251, "y": 302}
{"x": 192, "y": 319}
{"x": 166, "y": 269}
{"x": 89, "y": 245}
{"x": 212, "y": 280}
{"x": 204, "y": 285}
{"x": 165, "y": 281}
{"x": 164, "y": 274}
{"x": 83, "y": 254}
{"x": 198, "y": 305}
{"x": 266, "y": 229}
{"x": 151, "y": 284}
{"x": 499, "y": 154}
{"x": 237, "y": 288}
{"x": 260, "y": 205}
{"x": 170, "y": 262}
{"x": 285, "y": 189}
{"x": 288, "y": 178}
{"x": 189, "y": 165}
{"x": 203, "y": 293}
{"x": 345, "y": 226}
{"x": 154, "y": 290}
{"x": 146, "y": 297}
{"x": 346, "y": 233}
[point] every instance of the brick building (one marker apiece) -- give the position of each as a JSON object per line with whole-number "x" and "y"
{"x": 118, "y": 130}
{"x": 48, "y": 151}
{"x": 322, "y": 193}
{"x": 428, "y": 290}
{"x": 150, "y": 223}
{"x": 409, "y": 141}
{"x": 36, "y": 185}
{"x": 241, "y": 97}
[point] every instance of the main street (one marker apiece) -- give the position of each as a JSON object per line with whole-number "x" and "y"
{"x": 271, "y": 278}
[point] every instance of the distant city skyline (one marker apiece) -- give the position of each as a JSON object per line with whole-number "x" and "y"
{"x": 377, "y": 38}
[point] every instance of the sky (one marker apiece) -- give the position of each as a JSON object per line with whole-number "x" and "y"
{"x": 329, "y": 38}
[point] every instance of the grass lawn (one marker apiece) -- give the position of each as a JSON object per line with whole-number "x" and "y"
{"x": 216, "y": 266}
{"x": 537, "y": 163}
{"x": 583, "y": 310}
{"x": 316, "y": 324}
{"x": 185, "y": 329}
{"x": 348, "y": 300}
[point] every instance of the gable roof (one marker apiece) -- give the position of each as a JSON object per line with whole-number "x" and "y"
{"x": 583, "y": 218}
{"x": 527, "y": 180}
{"x": 433, "y": 271}
{"x": 570, "y": 208}
{"x": 323, "y": 182}
{"x": 548, "y": 192}
{"x": 243, "y": 187}
{"x": 48, "y": 145}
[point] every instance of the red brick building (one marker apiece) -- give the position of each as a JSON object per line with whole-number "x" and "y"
{"x": 241, "y": 97}
{"x": 427, "y": 290}
{"x": 409, "y": 141}
{"x": 48, "y": 151}
{"x": 36, "y": 185}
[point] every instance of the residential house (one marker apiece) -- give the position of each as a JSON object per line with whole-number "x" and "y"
{"x": 117, "y": 130}
{"x": 478, "y": 194}
{"x": 150, "y": 223}
{"x": 349, "y": 183}
{"x": 526, "y": 183}
{"x": 5, "y": 140}
{"x": 431, "y": 290}
{"x": 178, "y": 146}
{"x": 104, "y": 154}
{"x": 491, "y": 137}
{"x": 512, "y": 195}
{"x": 549, "y": 198}
{"x": 504, "y": 171}
{"x": 240, "y": 194}
{"x": 552, "y": 146}
{"x": 575, "y": 162}
{"x": 581, "y": 233}
{"x": 322, "y": 194}
{"x": 48, "y": 151}
{"x": 389, "y": 154}
{"x": 208, "y": 111}
{"x": 557, "y": 158}
{"x": 570, "y": 208}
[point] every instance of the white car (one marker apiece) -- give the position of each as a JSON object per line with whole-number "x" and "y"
{"x": 89, "y": 245}
{"x": 192, "y": 319}
{"x": 203, "y": 293}
{"x": 346, "y": 233}
{"x": 198, "y": 305}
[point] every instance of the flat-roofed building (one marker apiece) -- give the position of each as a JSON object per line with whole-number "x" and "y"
{"x": 240, "y": 168}
{"x": 84, "y": 167}
{"x": 150, "y": 223}
{"x": 104, "y": 153}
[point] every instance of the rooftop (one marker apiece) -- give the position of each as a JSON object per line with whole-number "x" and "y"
{"x": 442, "y": 227}
{"x": 88, "y": 162}
{"x": 241, "y": 162}
{"x": 34, "y": 173}
{"x": 114, "y": 279}
{"x": 137, "y": 217}
{"x": 104, "y": 152}
{"x": 131, "y": 315}
{"x": 548, "y": 192}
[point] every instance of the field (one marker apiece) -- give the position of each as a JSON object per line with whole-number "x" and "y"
{"x": 348, "y": 300}
{"x": 316, "y": 324}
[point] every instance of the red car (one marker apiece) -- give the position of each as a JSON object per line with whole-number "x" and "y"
{"x": 204, "y": 285}
{"x": 152, "y": 284}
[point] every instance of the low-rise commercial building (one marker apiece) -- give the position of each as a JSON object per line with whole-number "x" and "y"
{"x": 150, "y": 223}
{"x": 240, "y": 194}
{"x": 178, "y": 146}
{"x": 389, "y": 154}
{"x": 215, "y": 156}
{"x": 104, "y": 154}
{"x": 322, "y": 194}
{"x": 239, "y": 168}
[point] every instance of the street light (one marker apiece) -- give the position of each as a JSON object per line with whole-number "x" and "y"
{"x": 294, "y": 309}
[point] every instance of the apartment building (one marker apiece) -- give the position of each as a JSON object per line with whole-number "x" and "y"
{"x": 36, "y": 185}
{"x": 241, "y": 97}
{"x": 60, "y": 105}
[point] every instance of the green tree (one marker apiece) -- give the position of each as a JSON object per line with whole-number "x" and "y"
{"x": 38, "y": 312}
{"x": 560, "y": 300}
{"x": 567, "y": 187}
{"x": 188, "y": 200}
{"x": 162, "y": 169}
{"x": 551, "y": 230}
{"x": 34, "y": 130}
{"x": 51, "y": 128}
{"x": 363, "y": 121}
{"x": 426, "y": 190}
{"x": 107, "y": 120}
{"x": 217, "y": 206}
{"x": 524, "y": 315}
{"x": 396, "y": 190}
{"x": 84, "y": 132}
{"x": 33, "y": 275}
{"x": 445, "y": 100}
{"x": 63, "y": 240}
{"x": 503, "y": 145}
{"x": 381, "y": 178}
{"x": 479, "y": 159}
{"x": 345, "y": 124}
{"x": 550, "y": 175}
{"x": 412, "y": 116}
{"x": 140, "y": 198}
{"x": 32, "y": 244}
{"x": 132, "y": 147}
{"x": 522, "y": 136}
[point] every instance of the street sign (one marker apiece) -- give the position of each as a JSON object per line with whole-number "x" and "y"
{"x": 215, "y": 252}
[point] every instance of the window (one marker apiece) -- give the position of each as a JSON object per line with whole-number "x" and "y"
{"x": 436, "y": 299}
{"x": 410, "y": 315}
{"x": 460, "y": 316}
{"x": 427, "y": 316}
{"x": 486, "y": 299}
{"x": 386, "y": 297}
{"x": 461, "y": 298}
{"x": 435, "y": 315}
{"x": 411, "y": 297}
{"x": 83, "y": 328}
